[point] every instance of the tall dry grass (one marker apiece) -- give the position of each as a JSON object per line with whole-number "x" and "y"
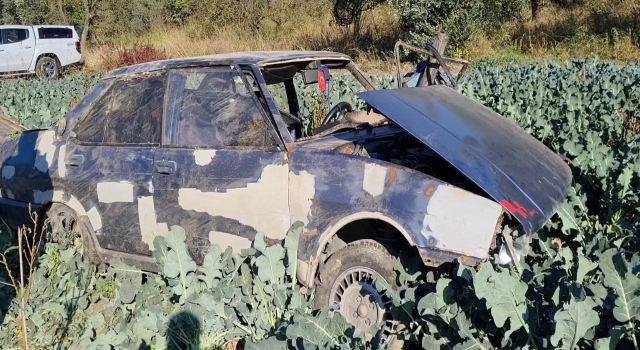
{"x": 373, "y": 48}
{"x": 609, "y": 29}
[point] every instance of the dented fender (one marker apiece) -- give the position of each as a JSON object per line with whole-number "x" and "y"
{"x": 429, "y": 213}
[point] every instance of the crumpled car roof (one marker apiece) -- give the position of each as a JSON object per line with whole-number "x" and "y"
{"x": 259, "y": 58}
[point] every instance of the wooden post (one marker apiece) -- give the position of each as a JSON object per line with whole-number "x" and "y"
{"x": 535, "y": 9}
{"x": 440, "y": 43}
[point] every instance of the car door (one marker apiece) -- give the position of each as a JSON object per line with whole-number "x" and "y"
{"x": 18, "y": 48}
{"x": 109, "y": 161}
{"x": 217, "y": 174}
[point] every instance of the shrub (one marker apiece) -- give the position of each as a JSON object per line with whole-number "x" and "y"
{"x": 125, "y": 19}
{"x": 120, "y": 56}
{"x": 349, "y": 13}
{"x": 139, "y": 54}
{"x": 422, "y": 19}
{"x": 462, "y": 20}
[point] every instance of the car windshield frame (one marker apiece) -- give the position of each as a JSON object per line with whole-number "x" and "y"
{"x": 265, "y": 77}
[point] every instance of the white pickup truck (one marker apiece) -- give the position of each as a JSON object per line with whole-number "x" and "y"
{"x": 43, "y": 50}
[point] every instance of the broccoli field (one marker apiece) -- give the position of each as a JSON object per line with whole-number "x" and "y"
{"x": 577, "y": 287}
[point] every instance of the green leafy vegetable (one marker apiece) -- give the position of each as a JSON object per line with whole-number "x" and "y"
{"x": 579, "y": 286}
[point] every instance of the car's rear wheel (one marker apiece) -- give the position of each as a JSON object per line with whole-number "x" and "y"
{"x": 64, "y": 228}
{"x": 347, "y": 282}
{"x": 47, "y": 68}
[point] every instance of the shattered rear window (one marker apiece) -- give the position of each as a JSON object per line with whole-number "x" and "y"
{"x": 212, "y": 107}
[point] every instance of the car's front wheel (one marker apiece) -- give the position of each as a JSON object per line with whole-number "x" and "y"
{"x": 47, "y": 68}
{"x": 64, "y": 228}
{"x": 347, "y": 282}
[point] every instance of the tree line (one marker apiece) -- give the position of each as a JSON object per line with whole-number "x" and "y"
{"x": 100, "y": 21}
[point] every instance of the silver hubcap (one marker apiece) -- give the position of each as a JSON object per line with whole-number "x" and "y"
{"x": 360, "y": 302}
{"x": 49, "y": 69}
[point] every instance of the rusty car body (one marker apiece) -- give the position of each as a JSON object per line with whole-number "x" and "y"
{"x": 201, "y": 143}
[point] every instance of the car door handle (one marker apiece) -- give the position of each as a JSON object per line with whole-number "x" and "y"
{"x": 27, "y": 47}
{"x": 75, "y": 160}
{"x": 165, "y": 167}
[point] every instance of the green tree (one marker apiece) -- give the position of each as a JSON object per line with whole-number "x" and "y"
{"x": 25, "y": 12}
{"x": 535, "y": 9}
{"x": 61, "y": 9}
{"x": 90, "y": 7}
{"x": 499, "y": 11}
{"x": 116, "y": 18}
{"x": 208, "y": 15}
{"x": 421, "y": 20}
{"x": 350, "y": 12}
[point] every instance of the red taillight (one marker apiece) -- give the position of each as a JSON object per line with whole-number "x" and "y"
{"x": 78, "y": 47}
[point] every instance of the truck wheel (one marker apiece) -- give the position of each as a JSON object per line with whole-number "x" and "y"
{"x": 66, "y": 230}
{"x": 347, "y": 282}
{"x": 47, "y": 68}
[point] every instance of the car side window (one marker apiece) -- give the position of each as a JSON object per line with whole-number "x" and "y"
{"x": 90, "y": 128}
{"x": 130, "y": 113}
{"x": 14, "y": 35}
{"x": 54, "y": 33}
{"x": 212, "y": 107}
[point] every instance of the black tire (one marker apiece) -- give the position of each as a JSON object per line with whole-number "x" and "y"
{"x": 354, "y": 262}
{"x": 64, "y": 228}
{"x": 48, "y": 68}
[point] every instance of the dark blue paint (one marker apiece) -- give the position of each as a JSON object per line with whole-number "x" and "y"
{"x": 339, "y": 193}
{"x": 493, "y": 153}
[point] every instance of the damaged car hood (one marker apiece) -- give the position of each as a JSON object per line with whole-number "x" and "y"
{"x": 511, "y": 166}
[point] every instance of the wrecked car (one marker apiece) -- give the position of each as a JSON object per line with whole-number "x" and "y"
{"x": 202, "y": 143}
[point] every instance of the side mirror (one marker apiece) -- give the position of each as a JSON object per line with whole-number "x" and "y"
{"x": 60, "y": 128}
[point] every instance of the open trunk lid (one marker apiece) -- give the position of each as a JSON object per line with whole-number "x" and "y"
{"x": 511, "y": 166}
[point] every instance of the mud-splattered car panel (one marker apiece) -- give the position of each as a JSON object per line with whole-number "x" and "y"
{"x": 189, "y": 143}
